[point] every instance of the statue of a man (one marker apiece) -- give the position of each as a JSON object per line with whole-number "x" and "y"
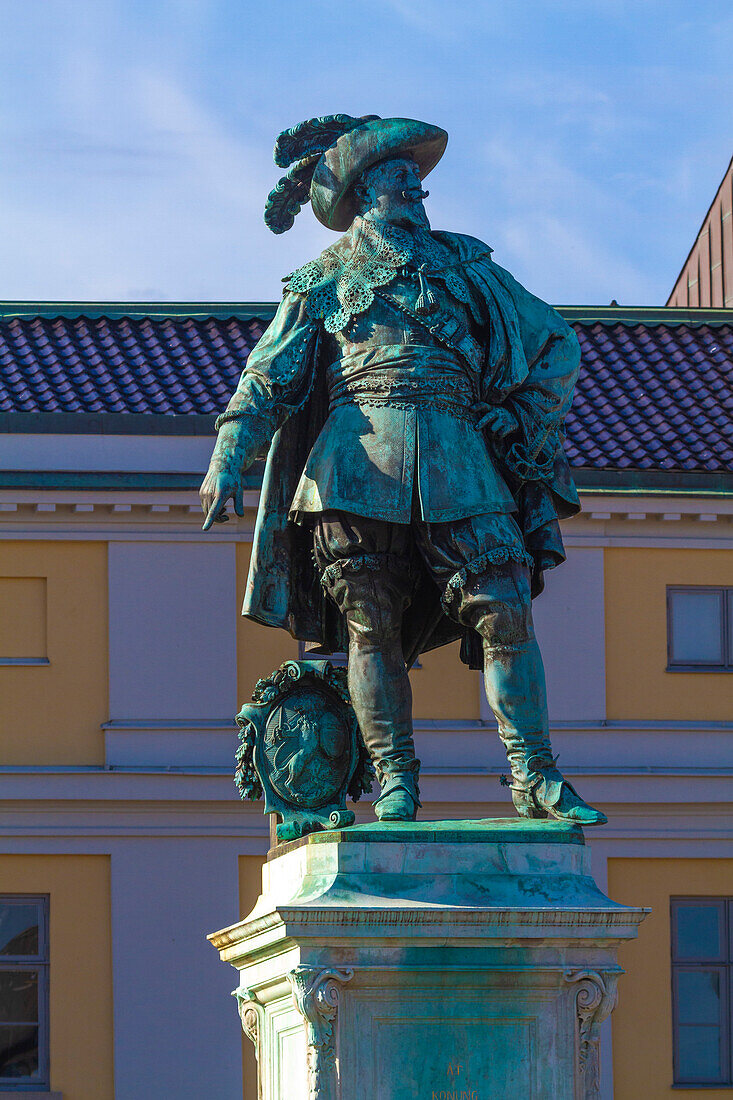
{"x": 409, "y": 395}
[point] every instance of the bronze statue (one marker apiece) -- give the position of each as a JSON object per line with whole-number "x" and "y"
{"x": 409, "y": 396}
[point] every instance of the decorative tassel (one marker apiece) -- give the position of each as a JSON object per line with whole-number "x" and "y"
{"x": 426, "y": 302}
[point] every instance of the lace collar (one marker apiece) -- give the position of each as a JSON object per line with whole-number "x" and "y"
{"x": 340, "y": 283}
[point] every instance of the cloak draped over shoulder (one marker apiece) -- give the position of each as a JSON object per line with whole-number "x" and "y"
{"x": 530, "y": 365}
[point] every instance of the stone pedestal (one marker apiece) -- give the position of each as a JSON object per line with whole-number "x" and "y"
{"x": 460, "y": 960}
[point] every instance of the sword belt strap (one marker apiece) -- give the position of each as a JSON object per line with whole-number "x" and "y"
{"x": 448, "y": 331}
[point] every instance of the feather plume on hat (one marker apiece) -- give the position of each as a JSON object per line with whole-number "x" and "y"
{"x": 301, "y": 146}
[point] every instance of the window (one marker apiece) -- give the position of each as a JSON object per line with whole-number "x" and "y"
{"x": 23, "y": 621}
{"x": 339, "y": 660}
{"x": 23, "y": 992}
{"x": 305, "y": 653}
{"x": 700, "y": 629}
{"x": 702, "y": 967}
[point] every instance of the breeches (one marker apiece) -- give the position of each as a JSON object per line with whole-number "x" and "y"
{"x": 370, "y": 569}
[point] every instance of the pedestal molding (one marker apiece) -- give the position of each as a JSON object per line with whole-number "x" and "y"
{"x": 469, "y": 950}
{"x": 232, "y": 943}
{"x": 316, "y": 997}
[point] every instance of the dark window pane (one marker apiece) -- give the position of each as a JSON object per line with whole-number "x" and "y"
{"x": 699, "y": 931}
{"x": 18, "y": 996}
{"x": 18, "y": 1051}
{"x": 696, "y": 622}
{"x": 730, "y": 627}
{"x": 699, "y": 1054}
{"x": 306, "y": 653}
{"x": 698, "y": 997}
{"x": 19, "y": 929}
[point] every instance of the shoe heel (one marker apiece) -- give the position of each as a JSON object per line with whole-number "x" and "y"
{"x": 526, "y": 806}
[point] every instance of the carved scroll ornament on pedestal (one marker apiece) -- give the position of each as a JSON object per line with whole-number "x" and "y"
{"x": 316, "y": 996}
{"x": 595, "y": 1000}
{"x": 251, "y": 1013}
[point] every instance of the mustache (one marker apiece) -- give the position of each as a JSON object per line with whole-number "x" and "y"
{"x": 413, "y": 194}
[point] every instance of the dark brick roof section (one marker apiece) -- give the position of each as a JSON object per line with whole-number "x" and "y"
{"x": 651, "y": 395}
{"x": 119, "y": 365}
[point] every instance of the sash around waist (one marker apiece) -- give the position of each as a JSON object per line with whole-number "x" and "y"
{"x": 400, "y": 374}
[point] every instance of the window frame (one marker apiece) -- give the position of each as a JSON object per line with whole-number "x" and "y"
{"x": 338, "y": 660}
{"x": 725, "y": 594}
{"x": 723, "y": 963}
{"x": 40, "y": 964}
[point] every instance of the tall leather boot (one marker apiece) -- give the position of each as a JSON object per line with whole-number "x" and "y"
{"x": 382, "y": 699}
{"x": 515, "y": 688}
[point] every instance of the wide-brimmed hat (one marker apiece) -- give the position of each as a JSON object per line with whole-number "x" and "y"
{"x": 342, "y": 165}
{"x": 331, "y": 155}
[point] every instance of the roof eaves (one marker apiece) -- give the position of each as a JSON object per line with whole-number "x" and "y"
{"x": 645, "y": 315}
{"x": 701, "y": 483}
{"x": 115, "y": 481}
{"x": 247, "y": 311}
{"x": 666, "y": 482}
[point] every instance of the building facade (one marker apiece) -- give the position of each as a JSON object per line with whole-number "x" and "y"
{"x": 706, "y": 278}
{"x": 123, "y": 658}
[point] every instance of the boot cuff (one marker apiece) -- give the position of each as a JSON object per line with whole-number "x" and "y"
{"x": 387, "y": 768}
{"x": 393, "y": 774}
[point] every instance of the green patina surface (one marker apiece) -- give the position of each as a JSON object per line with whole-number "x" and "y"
{"x": 497, "y": 830}
{"x": 410, "y": 396}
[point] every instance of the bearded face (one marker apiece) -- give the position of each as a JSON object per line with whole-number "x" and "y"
{"x": 392, "y": 192}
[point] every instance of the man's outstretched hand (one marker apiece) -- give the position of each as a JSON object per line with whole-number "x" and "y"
{"x": 221, "y": 484}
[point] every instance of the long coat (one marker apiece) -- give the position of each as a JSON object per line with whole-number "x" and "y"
{"x": 531, "y": 361}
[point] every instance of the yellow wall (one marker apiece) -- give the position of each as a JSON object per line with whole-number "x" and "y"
{"x": 442, "y": 688}
{"x": 51, "y": 714}
{"x": 80, "y": 954}
{"x": 250, "y": 883}
{"x": 642, "y": 1022}
{"x": 445, "y": 688}
{"x": 636, "y": 636}
{"x": 260, "y": 649}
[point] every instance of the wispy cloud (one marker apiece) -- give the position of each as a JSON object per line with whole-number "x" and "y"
{"x": 586, "y": 138}
{"x": 562, "y": 229}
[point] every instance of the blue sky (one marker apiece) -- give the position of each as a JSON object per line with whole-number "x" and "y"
{"x": 587, "y": 137}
